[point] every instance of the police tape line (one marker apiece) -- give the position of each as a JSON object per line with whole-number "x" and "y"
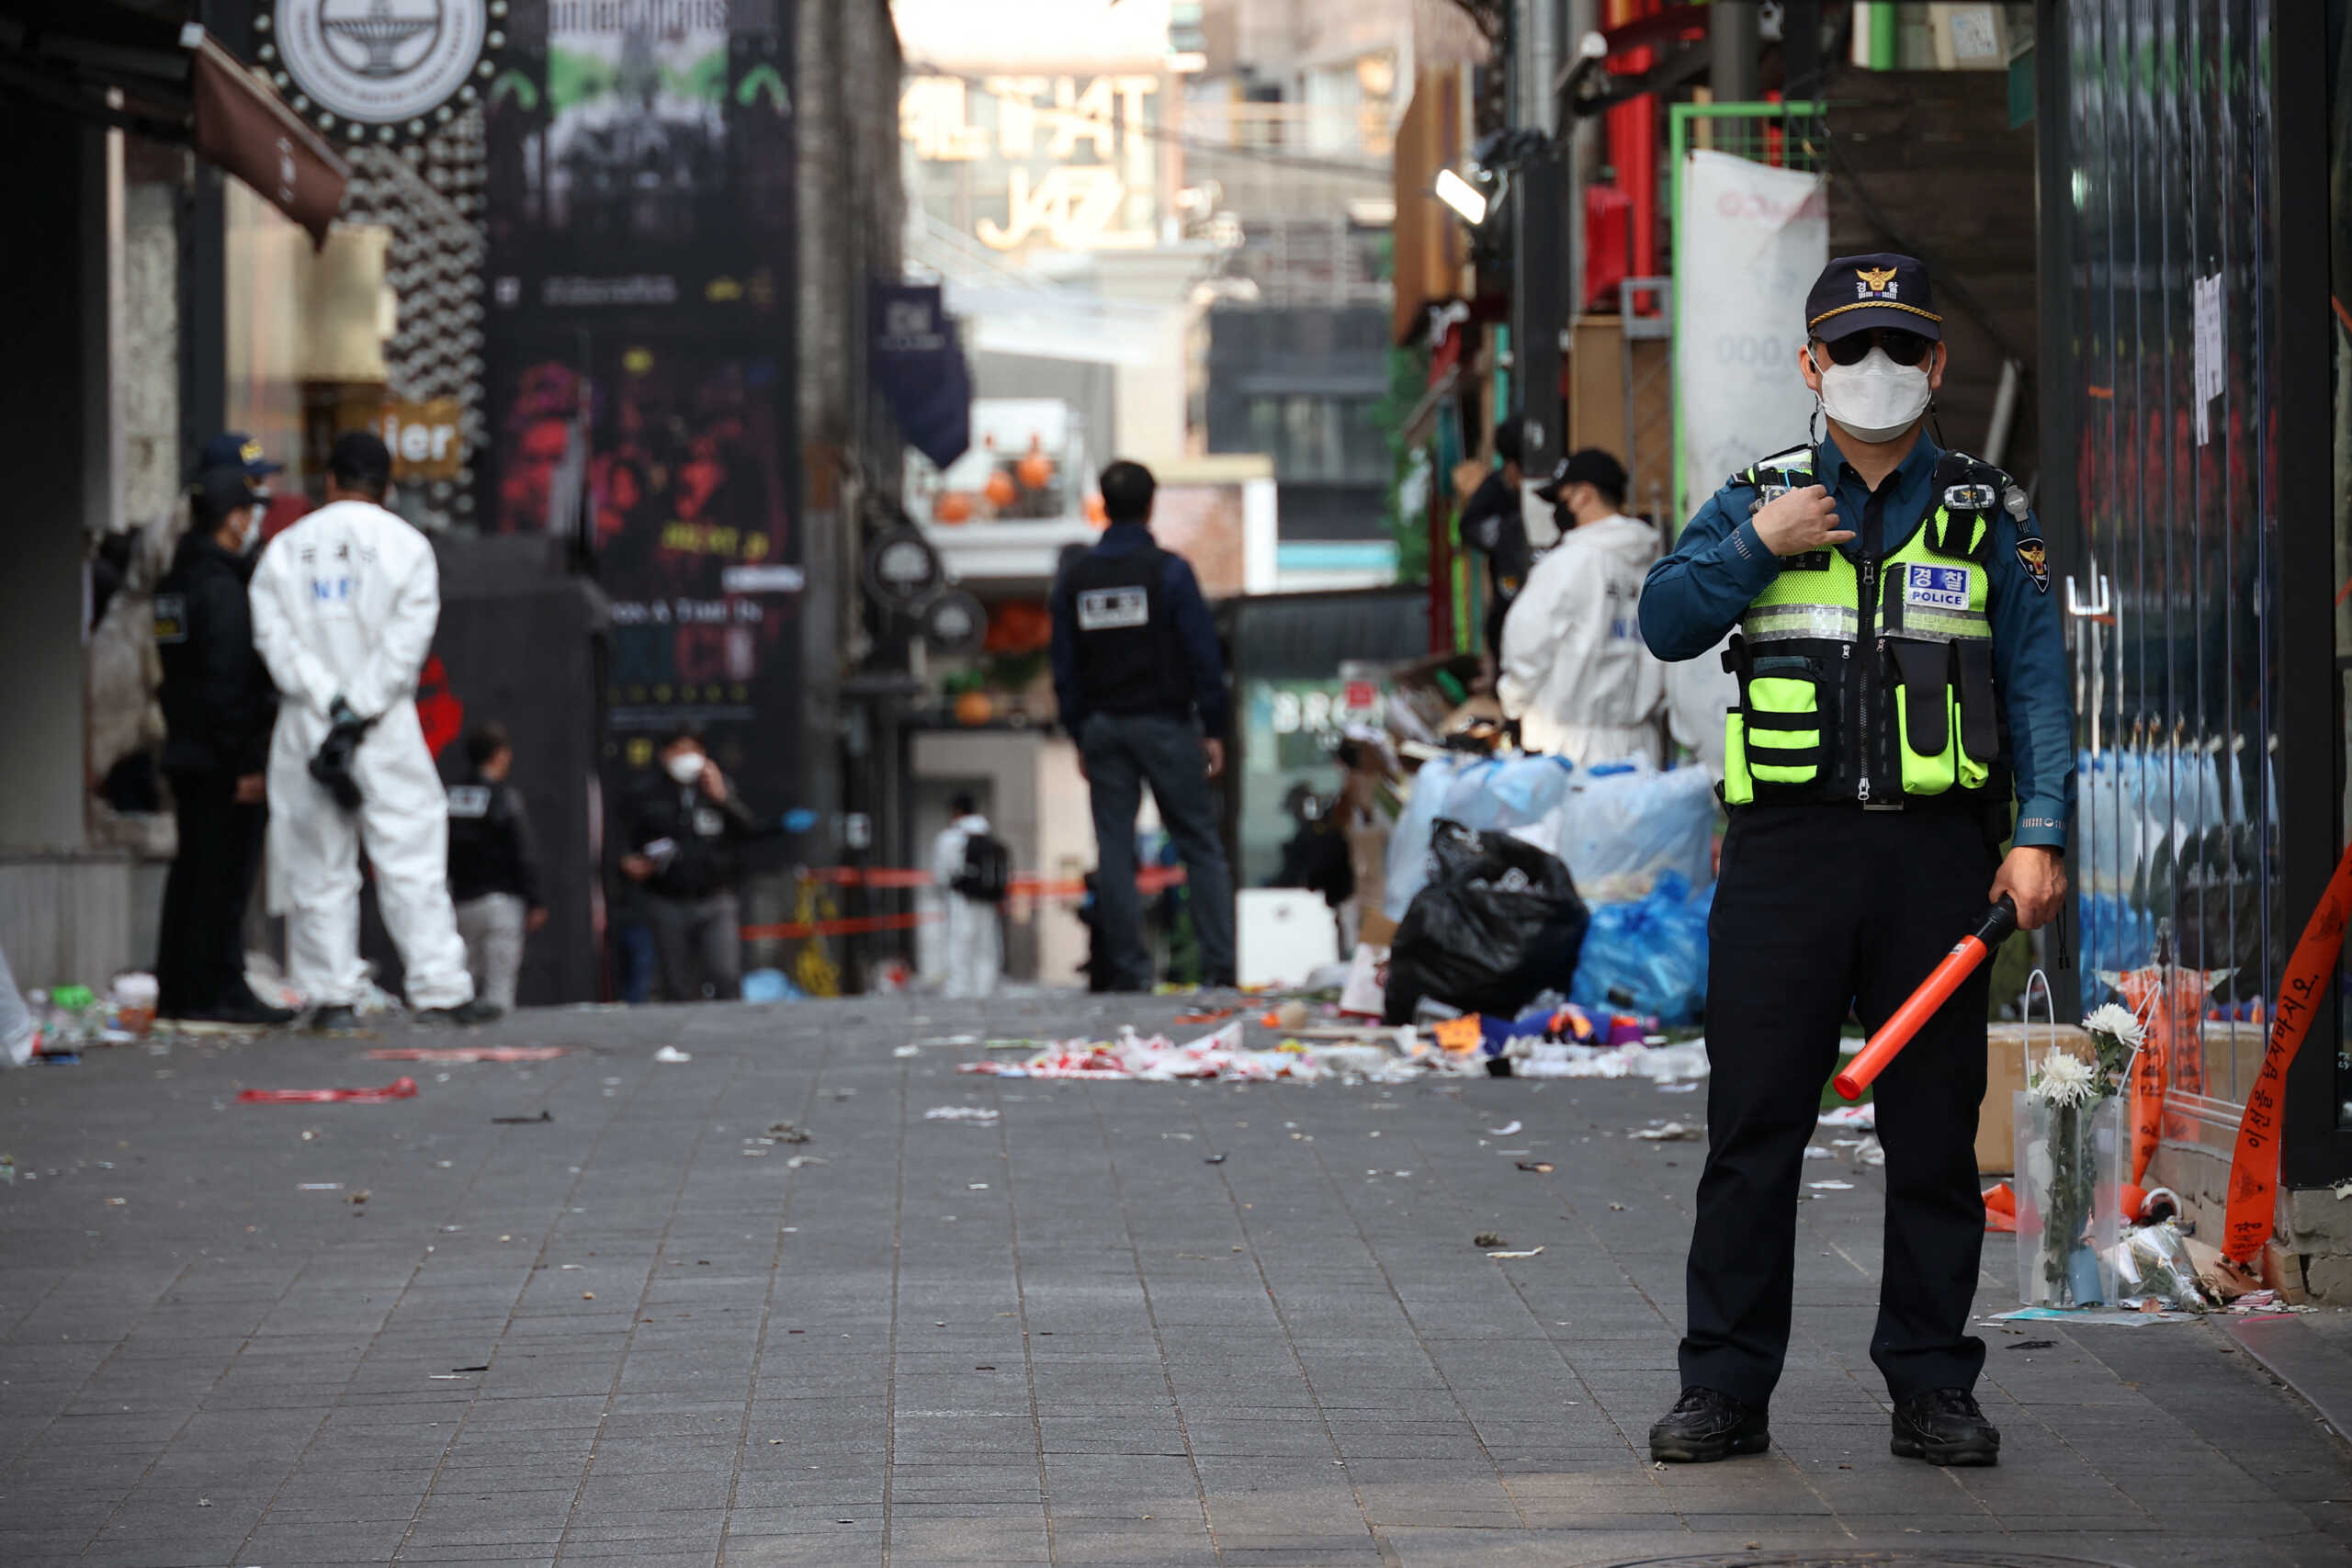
{"x": 2253, "y": 1206}
{"x": 1033, "y": 884}
{"x": 852, "y": 925}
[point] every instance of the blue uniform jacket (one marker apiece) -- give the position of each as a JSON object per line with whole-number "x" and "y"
{"x": 1698, "y": 594}
{"x": 1195, "y": 636}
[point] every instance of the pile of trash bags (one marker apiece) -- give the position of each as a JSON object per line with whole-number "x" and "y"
{"x": 1498, "y": 924}
{"x": 1625, "y": 844}
{"x": 1648, "y": 956}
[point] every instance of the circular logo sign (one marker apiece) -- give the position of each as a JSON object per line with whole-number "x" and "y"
{"x": 380, "y": 70}
{"x": 954, "y": 622}
{"x": 902, "y": 567}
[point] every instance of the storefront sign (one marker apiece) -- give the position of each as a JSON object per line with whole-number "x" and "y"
{"x": 426, "y": 438}
{"x": 380, "y": 70}
{"x": 1074, "y": 156}
{"x": 954, "y": 622}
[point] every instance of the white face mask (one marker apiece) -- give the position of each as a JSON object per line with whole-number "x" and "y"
{"x": 686, "y": 767}
{"x": 1877, "y": 400}
{"x": 251, "y": 536}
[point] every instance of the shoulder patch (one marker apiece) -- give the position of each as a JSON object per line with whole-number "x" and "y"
{"x": 2035, "y": 560}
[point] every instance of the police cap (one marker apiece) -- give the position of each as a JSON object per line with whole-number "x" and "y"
{"x": 235, "y": 449}
{"x": 1882, "y": 289}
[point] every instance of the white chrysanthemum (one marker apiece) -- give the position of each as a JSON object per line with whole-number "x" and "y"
{"x": 2065, "y": 1080}
{"x": 2117, "y": 1022}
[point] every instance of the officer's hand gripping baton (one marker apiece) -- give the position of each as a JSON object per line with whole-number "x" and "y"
{"x": 1999, "y": 921}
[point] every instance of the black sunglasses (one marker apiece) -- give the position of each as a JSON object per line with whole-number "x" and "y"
{"x": 1904, "y": 348}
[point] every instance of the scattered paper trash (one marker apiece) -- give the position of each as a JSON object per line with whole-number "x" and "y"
{"x": 399, "y": 1088}
{"x": 2093, "y": 1316}
{"x": 672, "y": 1054}
{"x": 1814, "y": 1151}
{"x": 522, "y": 1121}
{"x": 786, "y": 1133}
{"x": 799, "y": 1162}
{"x": 1539, "y": 1166}
{"x": 1664, "y": 1065}
{"x": 1862, "y": 1116}
{"x": 1528, "y": 1253}
{"x": 466, "y": 1054}
{"x": 1505, "y": 1131}
{"x": 1670, "y": 1133}
{"x": 1831, "y": 1186}
{"x": 1489, "y": 1239}
{"x": 906, "y": 1050}
{"x": 959, "y": 1114}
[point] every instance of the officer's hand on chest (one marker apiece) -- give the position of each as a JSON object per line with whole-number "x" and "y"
{"x": 1800, "y": 520}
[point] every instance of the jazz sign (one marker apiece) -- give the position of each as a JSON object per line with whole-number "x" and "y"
{"x": 1077, "y": 159}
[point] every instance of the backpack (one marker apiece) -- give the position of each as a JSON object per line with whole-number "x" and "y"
{"x": 988, "y": 869}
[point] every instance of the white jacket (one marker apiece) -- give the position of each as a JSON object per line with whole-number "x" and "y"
{"x": 1575, "y": 671}
{"x": 344, "y": 604}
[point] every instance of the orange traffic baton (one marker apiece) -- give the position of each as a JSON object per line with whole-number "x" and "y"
{"x": 1999, "y": 921}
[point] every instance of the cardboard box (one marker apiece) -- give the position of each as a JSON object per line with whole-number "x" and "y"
{"x": 2003, "y": 1076}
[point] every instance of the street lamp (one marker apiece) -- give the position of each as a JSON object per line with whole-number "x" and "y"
{"x": 1462, "y": 197}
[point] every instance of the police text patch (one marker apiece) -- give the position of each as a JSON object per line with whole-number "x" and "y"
{"x": 171, "y": 617}
{"x": 468, "y": 800}
{"x": 1112, "y": 609}
{"x": 2035, "y": 560}
{"x": 1936, "y": 587}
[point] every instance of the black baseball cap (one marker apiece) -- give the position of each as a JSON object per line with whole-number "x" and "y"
{"x": 1882, "y": 289}
{"x": 235, "y": 449}
{"x": 360, "y": 457}
{"x": 1589, "y": 467}
{"x": 218, "y": 491}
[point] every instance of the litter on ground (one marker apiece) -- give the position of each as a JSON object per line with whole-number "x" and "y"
{"x": 672, "y": 1054}
{"x": 1670, "y": 1133}
{"x": 959, "y": 1113}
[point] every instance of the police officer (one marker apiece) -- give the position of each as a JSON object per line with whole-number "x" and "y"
{"x": 686, "y": 829}
{"x": 1900, "y": 672}
{"x": 218, "y": 706}
{"x": 1141, "y": 688}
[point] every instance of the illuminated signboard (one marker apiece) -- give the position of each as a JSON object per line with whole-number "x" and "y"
{"x": 1067, "y": 161}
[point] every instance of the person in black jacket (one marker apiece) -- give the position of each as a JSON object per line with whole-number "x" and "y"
{"x": 1492, "y": 523}
{"x": 684, "y": 838}
{"x": 493, "y": 875}
{"x": 217, "y": 706}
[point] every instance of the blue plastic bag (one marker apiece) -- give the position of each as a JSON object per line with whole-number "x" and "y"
{"x": 1626, "y": 830}
{"x": 1652, "y": 952}
{"x": 1408, "y": 844}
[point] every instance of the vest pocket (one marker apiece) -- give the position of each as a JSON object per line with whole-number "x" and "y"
{"x": 1780, "y": 726}
{"x": 1942, "y": 745}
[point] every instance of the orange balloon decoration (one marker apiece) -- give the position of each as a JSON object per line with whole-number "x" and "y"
{"x": 974, "y": 708}
{"x": 1096, "y": 513}
{"x": 1036, "y": 471}
{"x": 952, "y": 506}
{"x": 999, "y": 490}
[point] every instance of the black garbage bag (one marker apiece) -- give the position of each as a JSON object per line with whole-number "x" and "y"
{"x": 1497, "y": 921}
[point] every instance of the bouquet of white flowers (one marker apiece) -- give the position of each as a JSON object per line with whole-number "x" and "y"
{"x": 2068, "y": 1131}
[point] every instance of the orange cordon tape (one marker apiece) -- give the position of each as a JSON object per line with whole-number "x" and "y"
{"x": 849, "y": 925}
{"x": 2254, "y": 1169}
{"x": 1150, "y": 879}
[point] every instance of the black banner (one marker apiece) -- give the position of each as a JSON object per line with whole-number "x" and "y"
{"x": 642, "y": 333}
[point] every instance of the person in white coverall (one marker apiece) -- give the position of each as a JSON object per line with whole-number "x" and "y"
{"x": 344, "y": 606}
{"x": 1575, "y": 671}
{"x": 973, "y": 937}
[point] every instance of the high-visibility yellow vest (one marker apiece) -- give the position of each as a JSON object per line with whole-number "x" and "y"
{"x": 1872, "y": 682}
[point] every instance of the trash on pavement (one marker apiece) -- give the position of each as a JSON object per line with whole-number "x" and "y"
{"x": 399, "y": 1088}
{"x": 1498, "y": 920}
{"x": 1528, "y": 1253}
{"x": 523, "y": 1121}
{"x": 903, "y": 1051}
{"x": 1539, "y": 1166}
{"x": 1505, "y": 1131}
{"x": 2093, "y": 1316}
{"x": 1489, "y": 1239}
{"x": 798, "y": 1162}
{"x": 771, "y": 986}
{"x": 786, "y": 1133}
{"x": 1670, "y": 1133}
{"x": 672, "y": 1054}
{"x": 2032, "y": 1345}
{"x": 2152, "y": 1264}
{"x": 1663, "y": 1065}
{"x": 466, "y": 1054}
{"x": 959, "y": 1113}
{"x": 1831, "y": 1186}
{"x": 1814, "y": 1151}
{"x": 1864, "y": 1116}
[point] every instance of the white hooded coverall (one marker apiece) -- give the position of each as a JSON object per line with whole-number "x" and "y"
{"x": 1575, "y": 670}
{"x": 345, "y": 603}
{"x": 975, "y": 943}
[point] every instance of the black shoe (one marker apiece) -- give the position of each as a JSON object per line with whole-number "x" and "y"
{"x": 248, "y": 1010}
{"x": 1705, "y": 1426}
{"x": 463, "y": 1014}
{"x": 333, "y": 1021}
{"x": 1944, "y": 1427}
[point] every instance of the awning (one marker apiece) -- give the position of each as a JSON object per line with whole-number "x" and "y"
{"x": 142, "y": 68}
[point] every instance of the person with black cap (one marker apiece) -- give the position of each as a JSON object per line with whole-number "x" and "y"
{"x": 218, "y": 706}
{"x": 344, "y": 604}
{"x": 684, "y": 848}
{"x": 1902, "y": 677}
{"x": 1573, "y": 671}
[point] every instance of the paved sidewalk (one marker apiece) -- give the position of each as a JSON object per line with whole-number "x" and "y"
{"x": 1059, "y": 1335}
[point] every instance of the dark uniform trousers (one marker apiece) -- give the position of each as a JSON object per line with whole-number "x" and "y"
{"x": 1820, "y": 907}
{"x": 201, "y": 957}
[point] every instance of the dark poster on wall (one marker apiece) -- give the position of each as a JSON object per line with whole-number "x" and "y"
{"x": 642, "y": 332}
